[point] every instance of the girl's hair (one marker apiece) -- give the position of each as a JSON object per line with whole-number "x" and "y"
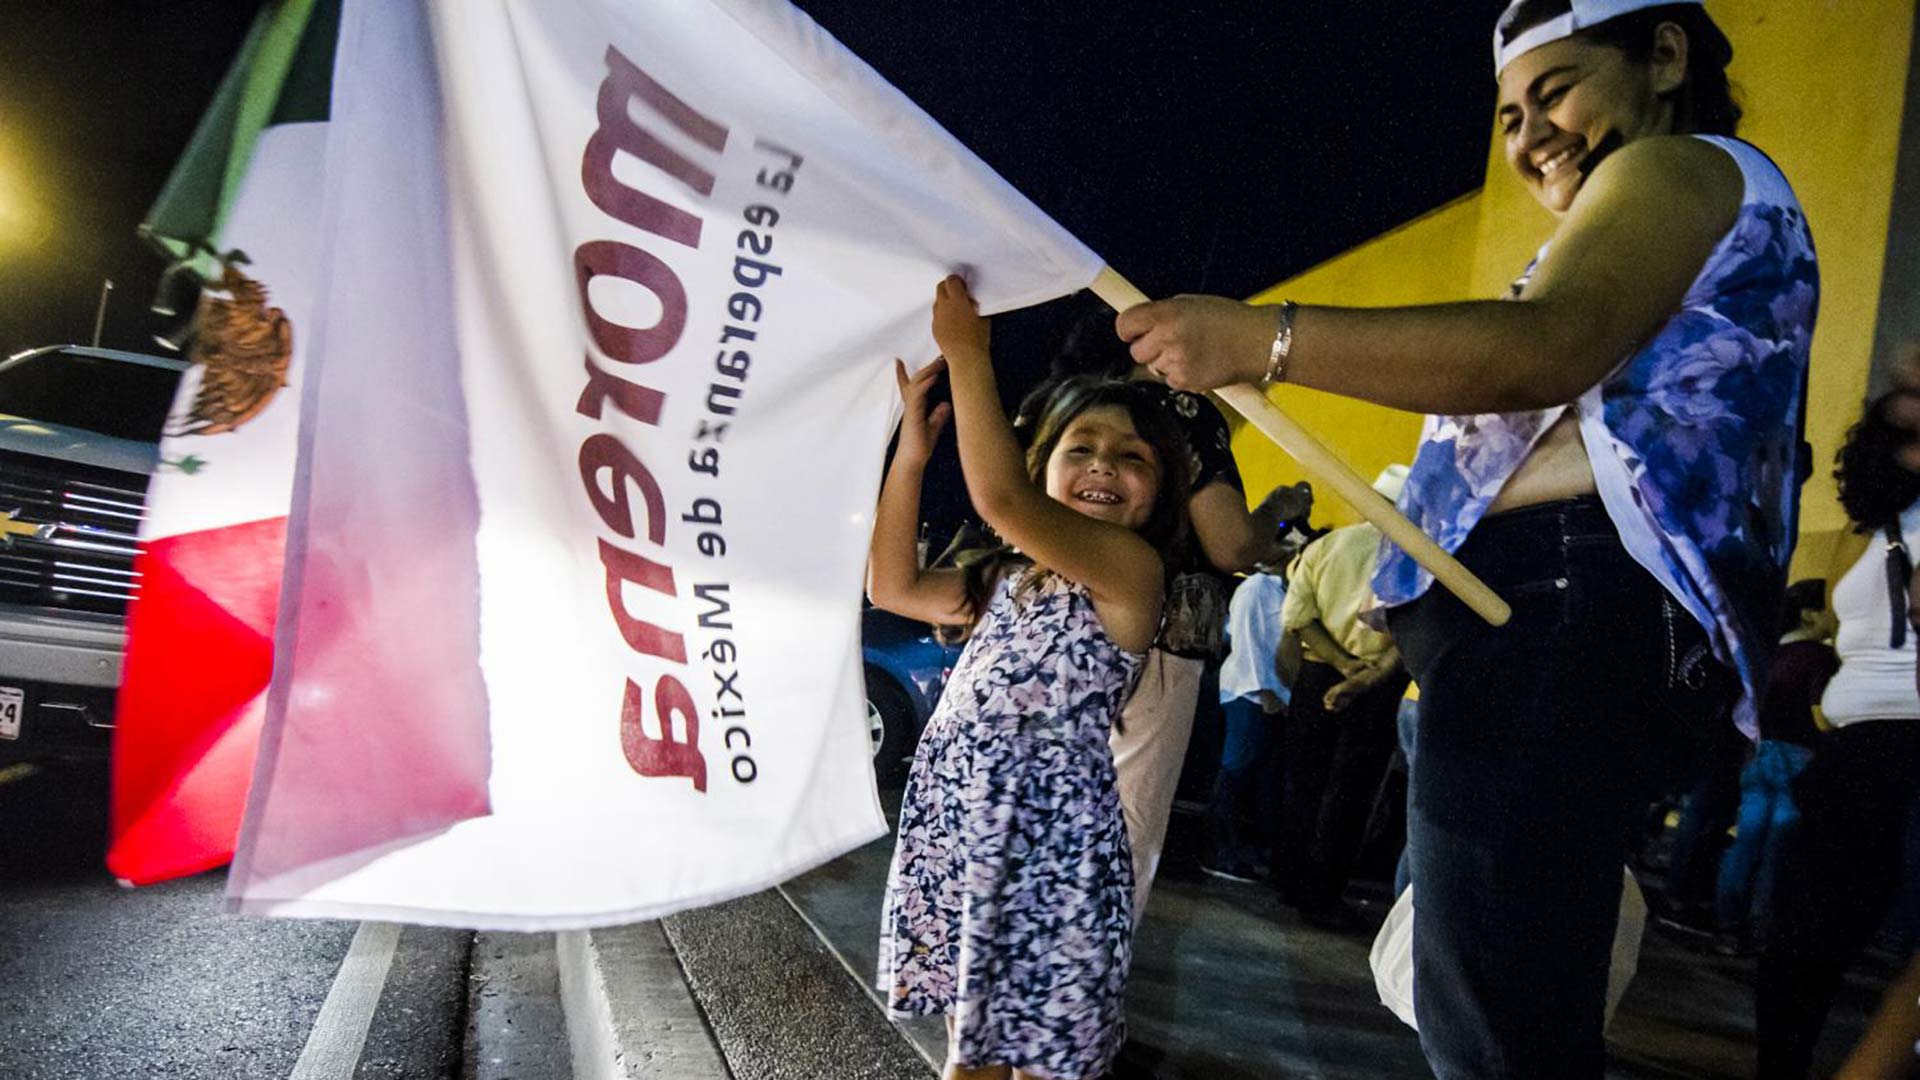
{"x": 1064, "y": 401}
{"x": 1704, "y": 103}
{"x": 1874, "y": 488}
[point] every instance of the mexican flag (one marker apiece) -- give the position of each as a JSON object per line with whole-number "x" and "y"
{"x": 598, "y": 387}
{"x": 240, "y": 212}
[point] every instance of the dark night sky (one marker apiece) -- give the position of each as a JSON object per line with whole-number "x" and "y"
{"x": 1214, "y": 147}
{"x": 97, "y": 99}
{"x": 1198, "y": 146}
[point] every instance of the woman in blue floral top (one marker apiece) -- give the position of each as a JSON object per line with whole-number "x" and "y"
{"x": 1616, "y": 448}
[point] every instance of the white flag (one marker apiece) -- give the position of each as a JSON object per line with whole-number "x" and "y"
{"x": 591, "y": 441}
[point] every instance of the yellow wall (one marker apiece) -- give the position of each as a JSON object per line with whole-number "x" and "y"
{"x": 1835, "y": 130}
{"x": 1823, "y": 86}
{"x": 1425, "y": 261}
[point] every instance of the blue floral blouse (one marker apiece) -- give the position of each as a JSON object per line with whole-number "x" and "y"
{"x": 1694, "y": 439}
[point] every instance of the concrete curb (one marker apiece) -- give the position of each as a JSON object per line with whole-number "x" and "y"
{"x": 781, "y": 1004}
{"x": 630, "y": 1014}
{"x": 746, "y": 990}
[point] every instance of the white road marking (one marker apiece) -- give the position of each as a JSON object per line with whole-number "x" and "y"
{"x": 340, "y": 1031}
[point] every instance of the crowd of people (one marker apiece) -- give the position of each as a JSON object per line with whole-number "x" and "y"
{"x": 1615, "y": 447}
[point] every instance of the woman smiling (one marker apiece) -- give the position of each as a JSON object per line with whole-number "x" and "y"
{"x": 1616, "y": 447}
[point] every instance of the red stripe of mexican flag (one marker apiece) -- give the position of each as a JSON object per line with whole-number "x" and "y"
{"x": 200, "y": 636}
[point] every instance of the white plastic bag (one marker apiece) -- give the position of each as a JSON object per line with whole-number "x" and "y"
{"x": 1392, "y": 957}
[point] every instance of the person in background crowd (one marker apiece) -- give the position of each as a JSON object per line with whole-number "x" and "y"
{"x": 1903, "y": 926}
{"x": 1676, "y": 294}
{"x": 1341, "y": 724}
{"x": 1707, "y": 811}
{"x": 1904, "y": 411}
{"x": 1744, "y": 896}
{"x": 1843, "y": 864}
{"x": 1150, "y": 745}
{"x": 1890, "y": 1049}
{"x": 1253, "y": 699}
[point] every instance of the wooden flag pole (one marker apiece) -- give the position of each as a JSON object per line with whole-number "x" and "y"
{"x": 1325, "y": 468}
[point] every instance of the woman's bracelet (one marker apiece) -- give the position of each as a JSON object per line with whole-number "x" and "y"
{"x": 1282, "y": 346}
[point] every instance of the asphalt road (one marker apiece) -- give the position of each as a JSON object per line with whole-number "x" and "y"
{"x": 97, "y": 980}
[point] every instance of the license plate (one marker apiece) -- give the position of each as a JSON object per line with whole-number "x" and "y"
{"x": 13, "y": 704}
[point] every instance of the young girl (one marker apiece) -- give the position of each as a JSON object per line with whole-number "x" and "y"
{"x": 1008, "y": 906}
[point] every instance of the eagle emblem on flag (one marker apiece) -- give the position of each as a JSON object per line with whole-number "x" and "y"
{"x": 241, "y": 348}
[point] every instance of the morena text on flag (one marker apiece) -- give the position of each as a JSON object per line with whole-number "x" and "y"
{"x": 610, "y": 469}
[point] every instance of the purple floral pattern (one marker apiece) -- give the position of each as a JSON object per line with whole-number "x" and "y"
{"x": 1009, "y": 904}
{"x": 1705, "y": 420}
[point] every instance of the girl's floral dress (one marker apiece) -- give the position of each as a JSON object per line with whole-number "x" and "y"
{"x": 1009, "y": 901}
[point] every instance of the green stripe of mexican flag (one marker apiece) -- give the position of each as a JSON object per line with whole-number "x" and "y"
{"x": 282, "y": 75}
{"x": 200, "y": 647}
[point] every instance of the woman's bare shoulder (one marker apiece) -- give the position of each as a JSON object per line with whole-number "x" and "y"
{"x": 1672, "y": 169}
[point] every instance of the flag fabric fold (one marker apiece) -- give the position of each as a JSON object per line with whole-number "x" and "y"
{"x": 593, "y": 423}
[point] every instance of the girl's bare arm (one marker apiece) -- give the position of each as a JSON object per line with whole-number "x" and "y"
{"x": 895, "y": 579}
{"x": 1122, "y": 571}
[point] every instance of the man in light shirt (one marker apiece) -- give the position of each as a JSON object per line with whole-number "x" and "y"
{"x": 1340, "y": 730}
{"x": 1253, "y": 703}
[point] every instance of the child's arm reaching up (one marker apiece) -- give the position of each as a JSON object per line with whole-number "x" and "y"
{"x": 1120, "y": 569}
{"x": 895, "y": 579}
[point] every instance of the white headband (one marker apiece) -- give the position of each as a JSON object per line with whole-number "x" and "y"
{"x": 1580, "y": 15}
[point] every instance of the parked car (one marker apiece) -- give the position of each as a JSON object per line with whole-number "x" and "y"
{"x": 79, "y": 437}
{"x": 906, "y": 668}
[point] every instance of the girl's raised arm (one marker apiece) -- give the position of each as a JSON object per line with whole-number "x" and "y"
{"x": 895, "y": 579}
{"x": 1120, "y": 569}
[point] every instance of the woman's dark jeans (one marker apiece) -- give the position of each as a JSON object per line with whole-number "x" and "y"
{"x": 1539, "y": 744}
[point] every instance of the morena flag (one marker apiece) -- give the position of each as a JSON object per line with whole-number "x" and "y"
{"x": 598, "y": 386}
